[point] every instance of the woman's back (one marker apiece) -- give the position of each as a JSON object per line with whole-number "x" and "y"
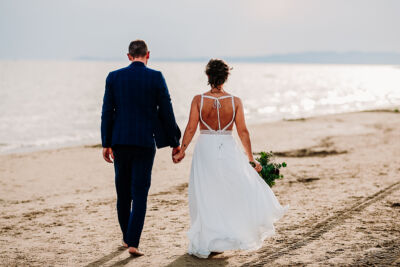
{"x": 217, "y": 113}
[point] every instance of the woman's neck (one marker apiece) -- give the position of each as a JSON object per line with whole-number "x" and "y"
{"x": 216, "y": 90}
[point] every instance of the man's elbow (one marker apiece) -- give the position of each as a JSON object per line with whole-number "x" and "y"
{"x": 106, "y": 116}
{"x": 107, "y": 111}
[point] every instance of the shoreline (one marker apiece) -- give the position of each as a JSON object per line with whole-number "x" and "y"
{"x": 27, "y": 150}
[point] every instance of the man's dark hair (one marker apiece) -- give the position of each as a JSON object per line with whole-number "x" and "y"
{"x": 217, "y": 71}
{"x": 138, "y": 48}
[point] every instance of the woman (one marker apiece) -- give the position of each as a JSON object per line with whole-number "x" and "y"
{"x": 231, "y": 207}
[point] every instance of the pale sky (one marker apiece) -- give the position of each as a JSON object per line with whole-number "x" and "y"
{"x": 69, "y": 29}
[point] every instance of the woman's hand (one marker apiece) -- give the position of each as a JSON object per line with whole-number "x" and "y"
{"x": 178, "y": 156}
{"x": 257, "y": 166}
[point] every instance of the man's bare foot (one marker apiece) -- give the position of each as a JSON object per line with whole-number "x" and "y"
{"x": 125, "y": 245}
{"x": 135, "y": 252}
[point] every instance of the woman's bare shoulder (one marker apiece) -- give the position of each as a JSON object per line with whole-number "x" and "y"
{"x": 236, "y": 98}
{"x": 196, "y": 98}
{"x": 238, "y": 101}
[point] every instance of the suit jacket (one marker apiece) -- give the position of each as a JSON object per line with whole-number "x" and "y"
{"x": 137, "y": 109}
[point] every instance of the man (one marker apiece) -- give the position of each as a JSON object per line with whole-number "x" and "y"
{"x": 137, "y": 114}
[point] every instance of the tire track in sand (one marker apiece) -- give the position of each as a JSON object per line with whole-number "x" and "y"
{"x": 322, "y": 227}
{"x": 388, "y": 255}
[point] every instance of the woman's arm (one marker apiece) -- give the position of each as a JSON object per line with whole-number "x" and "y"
{"x": 191, "y": 128}
{"x": 244, "y": 133}
{"x": 242, "y": 129}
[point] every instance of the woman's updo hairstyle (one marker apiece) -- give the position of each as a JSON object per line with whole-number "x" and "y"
{"x": 217, "y": 71}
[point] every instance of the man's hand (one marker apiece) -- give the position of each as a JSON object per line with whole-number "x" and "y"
{"x": 178, "y": 156}
{"x": 107, "y": 152}
{"x": 176, "y": 150}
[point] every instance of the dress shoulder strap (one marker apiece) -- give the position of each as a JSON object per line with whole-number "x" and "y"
{"x": 201, "y": 119}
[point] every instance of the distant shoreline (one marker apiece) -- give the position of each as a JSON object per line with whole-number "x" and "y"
{"x": 28, "y": 150}
{"x": 325, "y": 57}
{"x": 357, "y": 58}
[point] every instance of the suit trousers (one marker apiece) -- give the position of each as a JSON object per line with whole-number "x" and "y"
{"x": 133, "y": 165}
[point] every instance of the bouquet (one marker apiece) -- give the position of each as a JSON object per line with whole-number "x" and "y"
{"x": 270, "y": 169}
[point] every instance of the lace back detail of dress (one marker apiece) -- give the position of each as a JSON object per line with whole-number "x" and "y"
{"x": 217, "y": 105}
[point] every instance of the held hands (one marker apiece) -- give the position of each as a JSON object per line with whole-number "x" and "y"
{"x": 177, "y": 154}
{"x": 107, "y": 152}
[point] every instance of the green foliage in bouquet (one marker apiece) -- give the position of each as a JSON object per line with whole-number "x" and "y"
{"x": 270, "y": 169}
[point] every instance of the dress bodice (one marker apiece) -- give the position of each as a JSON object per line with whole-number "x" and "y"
{"x": 217, "y": 105}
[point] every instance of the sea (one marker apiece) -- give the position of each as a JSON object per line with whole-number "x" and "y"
{"x": 52, "y": 104}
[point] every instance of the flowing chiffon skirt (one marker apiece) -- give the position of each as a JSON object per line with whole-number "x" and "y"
{"x": 231, "y": 207}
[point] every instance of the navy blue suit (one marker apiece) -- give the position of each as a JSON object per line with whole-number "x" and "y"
{"x": 137, "y": 115}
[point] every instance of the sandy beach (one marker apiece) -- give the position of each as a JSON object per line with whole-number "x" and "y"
{"x": 342, "y": 184}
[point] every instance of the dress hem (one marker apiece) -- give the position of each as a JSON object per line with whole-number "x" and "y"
{"x": 252, "y": 247}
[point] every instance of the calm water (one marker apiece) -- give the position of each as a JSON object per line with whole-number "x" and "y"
{"x": 52, "y": 104}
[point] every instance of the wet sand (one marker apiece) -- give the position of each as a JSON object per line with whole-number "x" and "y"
{"x": 342, "y": 183}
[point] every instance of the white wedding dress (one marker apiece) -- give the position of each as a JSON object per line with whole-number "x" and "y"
{"x": 231, "y": 207}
